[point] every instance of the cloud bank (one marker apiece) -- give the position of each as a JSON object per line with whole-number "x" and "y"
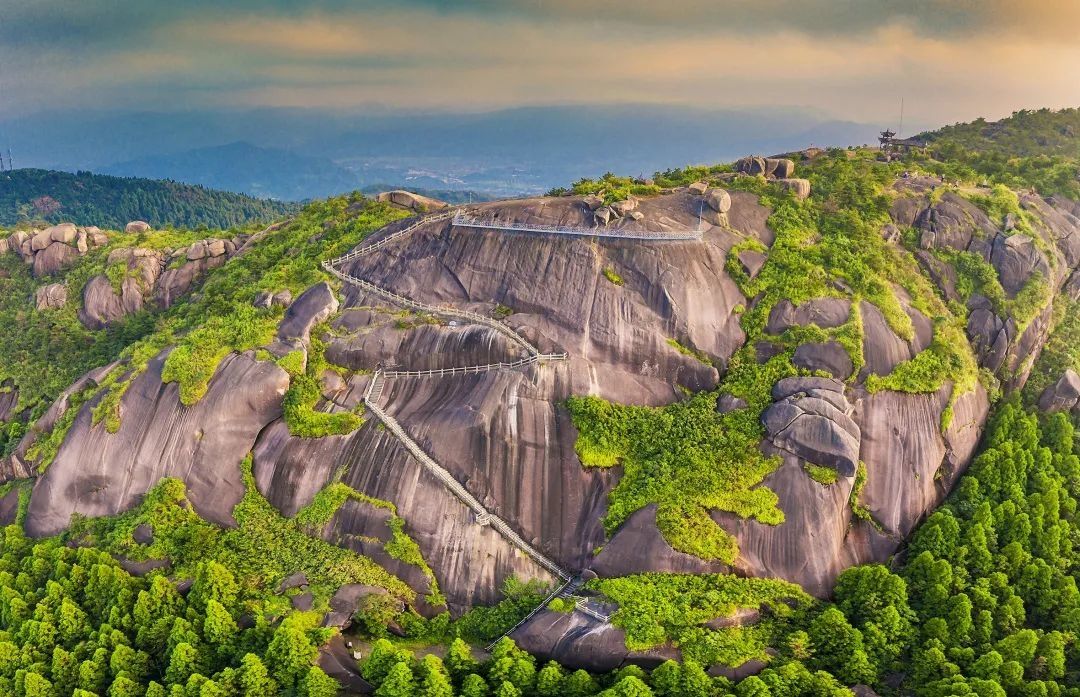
{"x": 949, "y": 59}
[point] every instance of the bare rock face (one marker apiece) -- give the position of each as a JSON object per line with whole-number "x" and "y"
{"x": 638, "y": 547}
{"x": 883, "y": 350}
{"x": 829, "y": 356}
{"x": 1016, "y": 258}
{"x": 953, "y": 223}
{"x": 815, "y": 428}
{"x": 414, "y": 202}
{"x": 314, "y": 305}
{"x": 54, "y": 258}
{"x": 826, "y": 313}
{"x": 103, "y": 307}
{"x": 698, "y": 188}
{"x": 50, "y": 297}
{"x": 9, "y": 399}
{"x": 1062, "y": 395}
{"x": 576, "y": 641}
{"x": 99, "y": 473}
{"x": 136, "y": 226}
{"x": 752, "y": 261}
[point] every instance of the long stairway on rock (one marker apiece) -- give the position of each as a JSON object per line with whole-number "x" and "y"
{"x": 374, "y": 391}
{"x": 483, "y": 515}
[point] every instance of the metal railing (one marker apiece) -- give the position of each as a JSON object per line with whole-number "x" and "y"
{"x": 462, "y": 220}
{"x": 374, "y": 391}
{"x": 559, "y": 590}
{"x": 483, "y": 515}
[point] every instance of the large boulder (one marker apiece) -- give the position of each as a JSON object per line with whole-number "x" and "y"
{"x": 51, "y": 297}
{"x": 826, "y": 313}
{"x": 781, "y": 168}
{"x": 346, "y": 601}
{"x": 752, "y": 165}
{"x": 64, "y": 233}
{"x": 828, "y": 356}
{"x": 411, "y": 201}
{"x": 1016, "y": 259}
{"x": 1063, "y": 395}
{"x": 54, "y": 259}
{"x": 952, "y": 223}
{"x": 815, "y": 428}
{"x": 621, "y": 208}
{"x": 316, "y": 304}
{"x": 799, "y": 188}
{"x": 137, "y": 226}
{"x": 102, "y": 306}
{"x": 718, "y": 199}
{"x": 41, "y": 240}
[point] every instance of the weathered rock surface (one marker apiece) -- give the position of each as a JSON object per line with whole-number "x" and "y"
{"x": 752, "y": 165}
{"x": 1016, "y": 258}
{"x": 799, "y": 188}
{"x": 811, "y": 427}
{"x": 315, "y": 305}
{"x": 100, "y": 473}
{"x": 829, "y": 356}
{"x": 137, "y": 226}
{"x": 414, "y": 202}
{"x": 54, "y": 258}
{"x": 578, "y": 641}
{"x": 638, "y": 547}
{"x": 826, "y": 313}
{"x": 50, "y": 297}
{"x": 9, "y": 399}
{"x": 1063, "y": 395}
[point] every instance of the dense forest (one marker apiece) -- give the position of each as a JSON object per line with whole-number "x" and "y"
{"x": 111, "y": 202}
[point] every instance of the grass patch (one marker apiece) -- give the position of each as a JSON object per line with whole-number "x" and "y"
{"x": 611, "y": 275}
{"x": 825, "y": 476}
{"x": 657, "y": 608}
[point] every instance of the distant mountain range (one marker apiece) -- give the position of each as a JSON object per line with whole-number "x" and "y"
{"x": 298, "y": 154}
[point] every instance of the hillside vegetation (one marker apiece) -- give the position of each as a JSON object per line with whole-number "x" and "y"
{"x": 983, "y": 598}
{"x": 1039, "y": 149}
{"x": 111, "y": 202}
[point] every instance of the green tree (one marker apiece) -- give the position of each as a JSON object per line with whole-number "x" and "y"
{"x": 474, "y": 685}
{"x": 549, "y": 681}
{"x": 289, "y": 655}
{"x": 399, "y": 682}
{"x": 255, "y": 679}
{"x": 318, "y": 684}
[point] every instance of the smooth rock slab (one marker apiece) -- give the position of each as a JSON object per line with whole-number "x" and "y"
{"x": 829, "y": 356}
{"x": 98, "y": 473}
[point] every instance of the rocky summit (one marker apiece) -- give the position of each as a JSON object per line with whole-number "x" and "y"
{"x": 726, "y": 390}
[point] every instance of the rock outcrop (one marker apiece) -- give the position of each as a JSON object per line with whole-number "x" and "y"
{"x": 53, "y": 249}
{"x": 411, "y": 201}
{"x": 810, "y": 420}
{"x": 100, "y": 473}
{"x": 50, "y": 297}
{"x": 136, "y": 226}
{"x": 1063, "y": 395}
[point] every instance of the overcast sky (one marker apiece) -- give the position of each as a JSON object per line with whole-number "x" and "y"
{"x": 950, "y": 59}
